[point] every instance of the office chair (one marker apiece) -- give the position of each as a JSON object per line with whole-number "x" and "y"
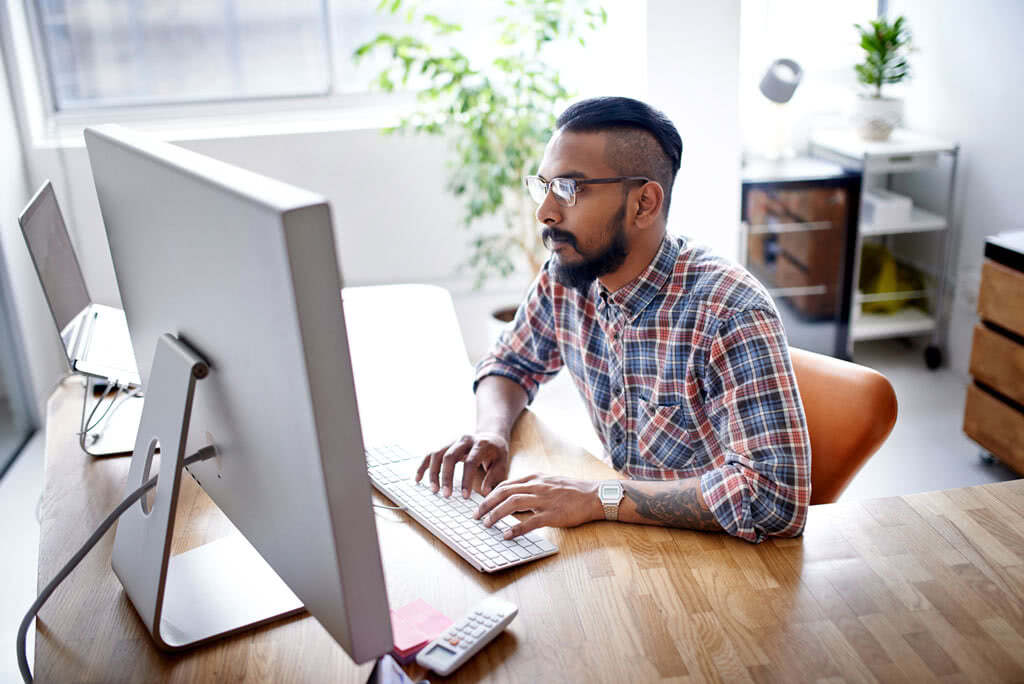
{"x": 850, "y": 412}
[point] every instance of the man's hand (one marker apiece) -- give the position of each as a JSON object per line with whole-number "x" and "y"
{"x": 486, "y": 459}
{"x": 555, "y": 502}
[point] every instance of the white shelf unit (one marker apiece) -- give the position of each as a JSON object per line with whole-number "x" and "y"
{"x": 904, "y": 152}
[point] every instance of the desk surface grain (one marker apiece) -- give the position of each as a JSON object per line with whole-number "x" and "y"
{"x": 916, "y": 588}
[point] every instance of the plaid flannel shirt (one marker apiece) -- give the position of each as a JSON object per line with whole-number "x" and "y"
{"x": 686, "y": 373}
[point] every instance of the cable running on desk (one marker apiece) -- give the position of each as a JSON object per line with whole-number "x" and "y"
{"x": 26, "y": 674}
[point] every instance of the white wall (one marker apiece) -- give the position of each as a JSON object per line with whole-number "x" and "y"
{"x": 693, "y": 76}
{"x": 33, "y": 318}
{"x": 395, "y": 220}
{"x": 393, "y": 216}
{"x": 967, "y": 73}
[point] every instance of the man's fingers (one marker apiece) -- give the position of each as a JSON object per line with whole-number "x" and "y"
{"x": 472, "y": 470}
{"x": 496, "y": 497}
{"x": 512, "y": 504}
{"x": 435, "y": 469}
{"x": 497, "y": 471}
{"x": 492, "y": 500}
{"x": 523, "y": 526}
{"x": 423, "y": 467}
{"x": 455, "y": 453}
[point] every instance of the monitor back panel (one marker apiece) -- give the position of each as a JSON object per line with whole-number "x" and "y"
{"x": 243, "y": 269}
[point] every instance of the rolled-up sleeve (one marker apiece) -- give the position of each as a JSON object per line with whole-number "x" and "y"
{"x": 763, "y": 489}
{"x": 527, "y": 349}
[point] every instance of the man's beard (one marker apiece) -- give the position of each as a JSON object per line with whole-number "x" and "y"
{"x": 580, "y": 276}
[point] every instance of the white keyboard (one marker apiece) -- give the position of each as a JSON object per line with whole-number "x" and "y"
{"x": 392, "y": 470}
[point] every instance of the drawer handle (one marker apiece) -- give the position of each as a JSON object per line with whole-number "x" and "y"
{"x": 774, "y": 228}
{"x": 797, "y": 291}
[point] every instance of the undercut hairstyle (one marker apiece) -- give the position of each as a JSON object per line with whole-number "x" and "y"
{"x": 643, "y": 141}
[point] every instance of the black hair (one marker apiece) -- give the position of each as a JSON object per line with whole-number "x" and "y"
{"x": 645, "y": 142}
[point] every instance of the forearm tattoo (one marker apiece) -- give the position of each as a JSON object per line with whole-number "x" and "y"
{"x": 677, "y": 507}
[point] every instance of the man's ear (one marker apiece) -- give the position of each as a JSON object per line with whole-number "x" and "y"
{"x": 649, "y": 203}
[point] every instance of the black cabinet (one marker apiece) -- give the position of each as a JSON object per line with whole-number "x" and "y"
{"x": 799, "y": 219}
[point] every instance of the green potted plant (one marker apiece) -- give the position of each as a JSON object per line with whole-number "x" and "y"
{"x": 886, "y": 47}
{"x": 497, "y": 115}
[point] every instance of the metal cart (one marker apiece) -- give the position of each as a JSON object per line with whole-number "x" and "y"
{"x": 880, "y": 162}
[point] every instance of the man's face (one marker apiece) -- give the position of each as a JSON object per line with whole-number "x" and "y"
{"x": 587, "y": 240}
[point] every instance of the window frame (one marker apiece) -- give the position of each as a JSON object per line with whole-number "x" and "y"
{"x": 33, "y": 90}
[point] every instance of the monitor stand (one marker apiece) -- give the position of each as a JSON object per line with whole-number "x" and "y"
{"x": 211, "y": 591}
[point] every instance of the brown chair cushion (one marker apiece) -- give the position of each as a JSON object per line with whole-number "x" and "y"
{"x": 850, "y": 412}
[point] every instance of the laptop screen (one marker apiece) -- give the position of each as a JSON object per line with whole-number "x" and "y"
{"x": 59, "y": 273}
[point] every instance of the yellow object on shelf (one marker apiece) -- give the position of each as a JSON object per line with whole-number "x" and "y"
{"x": 880, "y": 273}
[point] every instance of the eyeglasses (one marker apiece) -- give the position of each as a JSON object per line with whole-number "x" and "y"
{"x": 565, "y": 189}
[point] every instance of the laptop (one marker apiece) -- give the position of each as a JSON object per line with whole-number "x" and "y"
{"x": 94, "y": 336}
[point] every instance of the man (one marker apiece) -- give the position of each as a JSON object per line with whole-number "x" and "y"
{"x": 679, "y": 355}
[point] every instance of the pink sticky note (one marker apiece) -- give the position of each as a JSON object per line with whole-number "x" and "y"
{"x": 414, "y": 624}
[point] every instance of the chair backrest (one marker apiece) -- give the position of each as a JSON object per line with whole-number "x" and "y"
{"x": 850, "y": 412}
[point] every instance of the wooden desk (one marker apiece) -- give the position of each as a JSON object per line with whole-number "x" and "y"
{"x": 928, "y": 586}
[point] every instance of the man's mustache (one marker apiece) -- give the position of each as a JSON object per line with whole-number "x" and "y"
{"x": 550, "y": 234}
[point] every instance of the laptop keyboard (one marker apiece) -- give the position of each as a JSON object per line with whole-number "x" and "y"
{"x": 392, "y": 470}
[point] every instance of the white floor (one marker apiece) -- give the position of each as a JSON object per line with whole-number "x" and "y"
{"x": 19, "y": 538}
{"x": 927, "y": 450}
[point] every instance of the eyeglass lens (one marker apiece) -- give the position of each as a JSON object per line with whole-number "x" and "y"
{"x": 563, "y": 188}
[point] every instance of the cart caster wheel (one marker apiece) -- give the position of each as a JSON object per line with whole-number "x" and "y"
{"x": 932, "y": 357}
{"x": 986, "y": 457}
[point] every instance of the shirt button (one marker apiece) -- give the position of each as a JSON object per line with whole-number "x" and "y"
{"x": 617, "y": 390}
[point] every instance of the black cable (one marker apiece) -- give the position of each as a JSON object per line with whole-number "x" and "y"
{"x": 26, "y": 674}
{"x": 112, "y": 395}
{"x": 87, "y": 424}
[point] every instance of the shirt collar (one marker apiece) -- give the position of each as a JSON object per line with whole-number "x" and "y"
{"x": 634, "y": 297}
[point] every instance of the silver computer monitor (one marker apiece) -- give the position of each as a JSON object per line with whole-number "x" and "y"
{"x": 243, "y": 270}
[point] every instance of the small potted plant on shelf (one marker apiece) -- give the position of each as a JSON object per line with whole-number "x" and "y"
{"x": 496, "y": 115}
{"x": 886, "y": 47}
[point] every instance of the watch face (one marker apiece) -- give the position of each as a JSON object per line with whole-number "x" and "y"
{"x": 610, "y": 492}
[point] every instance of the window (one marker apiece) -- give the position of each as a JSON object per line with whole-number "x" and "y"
{"x": 118, "y": 52}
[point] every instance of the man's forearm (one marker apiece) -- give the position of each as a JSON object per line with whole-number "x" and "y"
{"x": 676, "y": 503}
{"x": 499, "y": 401}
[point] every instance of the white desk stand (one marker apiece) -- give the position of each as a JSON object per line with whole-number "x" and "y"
{"x": 213, "y": 590}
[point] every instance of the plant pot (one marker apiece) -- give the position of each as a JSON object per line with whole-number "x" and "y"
{"x": 876, "y": 117}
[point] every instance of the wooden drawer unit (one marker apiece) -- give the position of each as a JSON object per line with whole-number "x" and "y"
{"x": 998, "y": 361}
{"x": 994, "y": 413}
{"x": 1001, "y": 297}
{"x": 996, "y": 426}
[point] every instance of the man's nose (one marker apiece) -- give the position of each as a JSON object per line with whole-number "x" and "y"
{"x": 548, "y": 211}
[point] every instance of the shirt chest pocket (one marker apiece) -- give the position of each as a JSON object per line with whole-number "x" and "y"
{"x": 665, "y": 433}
